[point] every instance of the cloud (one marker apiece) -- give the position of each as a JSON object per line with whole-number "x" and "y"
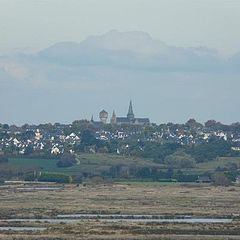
{"x": 71, "y": 80}
{"x": 134, "y": 50}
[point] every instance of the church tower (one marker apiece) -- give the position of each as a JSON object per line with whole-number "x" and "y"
{"x": 130, "y": 114}
{"x": 114, "y": 118}
{"x": 103, "y": 115}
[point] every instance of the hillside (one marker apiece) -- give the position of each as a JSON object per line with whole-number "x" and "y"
{"x": 116, "y": 167}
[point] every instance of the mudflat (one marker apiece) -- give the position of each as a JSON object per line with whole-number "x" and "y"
{"x": 174, "y": 201}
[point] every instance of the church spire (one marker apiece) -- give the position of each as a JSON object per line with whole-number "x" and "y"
{"x": 130, "y": 114}
{"x": 114, "y": 118}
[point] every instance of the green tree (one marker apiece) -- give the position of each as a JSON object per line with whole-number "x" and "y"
{"x": 180, "y": 159}
{"x": 88, "y": 138}
{"x": 221, "y": 180}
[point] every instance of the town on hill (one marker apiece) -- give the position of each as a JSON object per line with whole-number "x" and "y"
{"x": 164, "y": 151}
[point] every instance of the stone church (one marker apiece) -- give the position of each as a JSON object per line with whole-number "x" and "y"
{"x": 128, "y": 120}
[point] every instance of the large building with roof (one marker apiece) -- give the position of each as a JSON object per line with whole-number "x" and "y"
{"x": 130, "y": 119}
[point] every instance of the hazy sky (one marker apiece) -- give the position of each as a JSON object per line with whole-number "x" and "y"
{"x": 35, "y": 24}
{"x": 71, "y": 81}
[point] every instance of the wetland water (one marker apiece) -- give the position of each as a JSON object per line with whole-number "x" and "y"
{"x": 74, "y": 218}
{"x": 143, "y": 218}
{"x": 23, "y": 229}
{"x": 39, "y": 188}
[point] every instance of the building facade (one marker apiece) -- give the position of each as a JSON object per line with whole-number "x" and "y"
{"x": 130, "y": 119}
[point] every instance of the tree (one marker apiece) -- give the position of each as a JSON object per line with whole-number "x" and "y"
{"x": 180, "y": 159}
{"x": 88, "y": 138}
{"x": 221, "y": 180}
{"x": 159, "y": 151}
{"x": 5, "y": 126}
{"x": 66, "y": 160}
{"x": 144, "y": 172}
{"x": 169, "y": 173}
{"x": 28, "y": 150}
{"x": 193, "y": 124}
{"x": 209, "y": 151}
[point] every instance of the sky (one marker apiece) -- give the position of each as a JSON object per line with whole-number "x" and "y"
{"x": 36, "y": 24}
{"x": 154, "y": 63}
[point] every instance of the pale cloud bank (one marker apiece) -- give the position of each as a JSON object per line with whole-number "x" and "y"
{"x": 72, "y": 80}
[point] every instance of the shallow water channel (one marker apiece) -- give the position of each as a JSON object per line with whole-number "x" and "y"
{"x": 74, "y": 218}
{"x": 23, "y": 229}
{"x": 142, "y": 218}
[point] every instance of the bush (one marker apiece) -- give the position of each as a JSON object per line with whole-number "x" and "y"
{"x": 96, "y": 180}
{"x": 180, "y": 160}
{"x": 167, "y": 180}
{"x": 66, "y": 160}
{"x": 78, "y": 178}
{"x": 186, "y": 177}
{"x": 50, "y": 177}
{"x": 221, "y": 180}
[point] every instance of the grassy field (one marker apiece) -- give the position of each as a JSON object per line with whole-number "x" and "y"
{"x": 131, "y": 198}
{"x": 88, "y": 163}
{"x": 211, "y": 166}
{"x": 219, "y": 162}
{"x": 45, "y": 164}
{"x": 125, "y": 197}
{"x": 97, "y": 163}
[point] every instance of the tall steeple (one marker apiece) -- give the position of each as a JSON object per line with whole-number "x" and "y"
{"x": 130, "y": 114}
{"x": 114, "y": 118}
